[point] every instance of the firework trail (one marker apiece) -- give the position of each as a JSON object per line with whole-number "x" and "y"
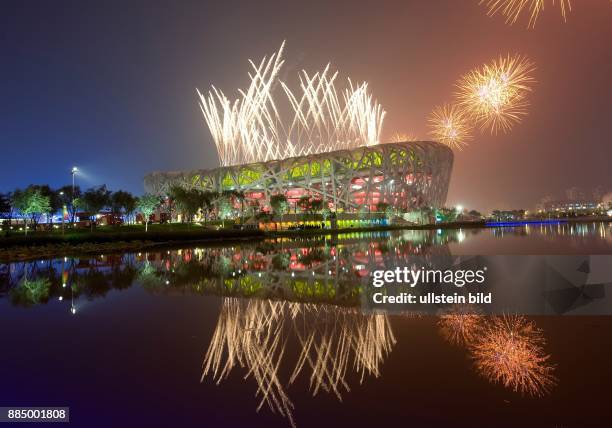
{"x": 513, "y": 9}
{"x": 400, "y": 137}
{"x": 322, "y": 117}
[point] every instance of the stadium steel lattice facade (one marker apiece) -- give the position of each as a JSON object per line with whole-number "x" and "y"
{"x": 406, "y": 175}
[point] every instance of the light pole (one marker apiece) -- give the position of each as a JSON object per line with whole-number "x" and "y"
{"x": 63, "y": 211}
{"x": 72, "y": 307}
{"x": 73, "y": 172}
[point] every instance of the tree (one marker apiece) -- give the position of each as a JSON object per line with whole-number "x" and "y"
{"x": 316, "y": 205}
{"x": 196, "y": 202}
{"x": 123, "y": 202}
{"x": 427, "y": 214}
{"x": 607, "y": 201}
{"x": 55, "y": 202}
{"x": 129, "y": 206}
{"x": 326, "y": 213}
{"x": 240, "y": 197}
{"x": 31, "y": 292}
{"x": 188, "y": 202}
{"x": 224, "y": 207}
{"x": 54, "y": 199}
{"x": 147, "y": 204}
{"x": 386, "y": 208}
{"x": 208, "y": 199}
{"x": 382, "y": 207}
{"x": 70, "y": 199}
{"x": 96, "y": 199}
{"x": 31, "y": 203}
{"x": 362, "y": 212}
{"x": 304, "y": 203}
{"x": 446, "y": 215}
{"x": 176, "y": 196}
{"x": 193, "y": 201}
{"x": 6, "y": 211}
{"x": 279, "y": 205}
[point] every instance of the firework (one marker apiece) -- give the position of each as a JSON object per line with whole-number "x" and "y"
{"x": 494, "y": 96}
{"x": 509, "y": 350}
{"x": 460, "y": 324}
{"x": 449, "y": 125}
{"x": 402, "y": 137}
{"x": 513, "y": 9}
{"x": 321, "y": 119}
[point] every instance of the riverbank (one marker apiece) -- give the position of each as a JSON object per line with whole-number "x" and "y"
{"x": 104, "y": 240}
{"x": 134, "y": 238}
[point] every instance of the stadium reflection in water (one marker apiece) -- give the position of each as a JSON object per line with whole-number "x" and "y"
{"x": 291, "y": 312}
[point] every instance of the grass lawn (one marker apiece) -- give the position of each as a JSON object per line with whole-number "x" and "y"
{"x": 129, "y": 228}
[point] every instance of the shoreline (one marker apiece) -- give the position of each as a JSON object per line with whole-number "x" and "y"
{"x": 20, "y": 248}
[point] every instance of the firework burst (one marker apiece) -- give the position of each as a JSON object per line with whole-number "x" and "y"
{"x": 321, "y": 119}
{"x": 494, "y": 96}
{"x": 449, "y": 125}
{"x": 399, "y": 137}
{"x": 460, "y": 324}
{"x": 513, "y": 9}
{"x": 509, "y": 350}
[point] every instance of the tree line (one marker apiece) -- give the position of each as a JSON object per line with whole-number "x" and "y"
{"x": 36, "y": 201}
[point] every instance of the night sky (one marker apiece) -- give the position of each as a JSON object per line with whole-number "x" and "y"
{"x": 110, "y": 86}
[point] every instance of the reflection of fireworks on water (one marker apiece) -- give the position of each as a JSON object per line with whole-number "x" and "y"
{"x": 250, "y": 334}
{"x": 512, "y": 9}
{"x": 494, "y": 96}
{"x": 449, "y": 126}
{"x": 460, "y": 324}
{"x": 509, "y": 350}
{"x": 323, "y": 118}
{"x": 251, "y": 339}
{"x": 338, "y": 336}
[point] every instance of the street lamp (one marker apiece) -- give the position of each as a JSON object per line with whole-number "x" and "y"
{"x": 73, "y": 171}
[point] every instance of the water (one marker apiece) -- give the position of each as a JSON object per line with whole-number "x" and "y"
{"x": 206, "y": 336}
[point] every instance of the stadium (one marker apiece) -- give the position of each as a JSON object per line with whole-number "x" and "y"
{"x": 407, "y": 176}
{"x": 323, "y": 145}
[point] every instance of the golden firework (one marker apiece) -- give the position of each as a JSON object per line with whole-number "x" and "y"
{"x": 509, "y": 350}
{"x": 402, "y": 137}
{"x": 494, "y": 96}
{"x": 322, "y": 118}
{"x": 449, "y": 125}
{"x": 513, "y": 9}
{"x": 460, "y": 324}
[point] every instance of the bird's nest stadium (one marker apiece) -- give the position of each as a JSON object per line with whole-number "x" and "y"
{"x": 406, "y": 175}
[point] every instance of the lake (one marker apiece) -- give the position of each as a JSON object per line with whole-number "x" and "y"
{"x": 272, "y": 333}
